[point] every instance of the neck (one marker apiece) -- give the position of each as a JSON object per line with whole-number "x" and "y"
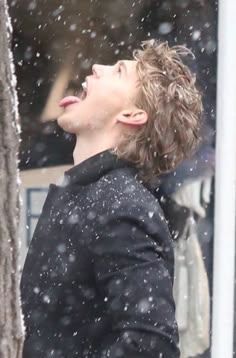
{"x": 86, "y": 148}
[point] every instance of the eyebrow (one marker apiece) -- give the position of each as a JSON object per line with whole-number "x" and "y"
{"x": 121, "y": 63}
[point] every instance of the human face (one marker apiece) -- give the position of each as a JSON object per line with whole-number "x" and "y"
{"x": 110, "y": 90}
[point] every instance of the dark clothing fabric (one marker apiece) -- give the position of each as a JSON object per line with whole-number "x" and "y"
{"x": 97, "y": 281}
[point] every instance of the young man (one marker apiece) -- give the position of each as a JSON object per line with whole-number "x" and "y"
{"x": 97, "y": 281}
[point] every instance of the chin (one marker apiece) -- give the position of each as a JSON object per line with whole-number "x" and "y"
{"x": 66, "y": 125}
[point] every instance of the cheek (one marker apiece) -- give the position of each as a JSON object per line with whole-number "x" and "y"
{"x": 102, "y": 104}
{"x": 114, "y": 99}
{"x": 108, "y": 92}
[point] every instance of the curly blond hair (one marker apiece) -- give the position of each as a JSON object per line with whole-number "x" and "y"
{"x": 168, "y": 93}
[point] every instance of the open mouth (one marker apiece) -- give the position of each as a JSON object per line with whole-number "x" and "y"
{"x": 84, "y": 91}
{"x": 66, "y": 101}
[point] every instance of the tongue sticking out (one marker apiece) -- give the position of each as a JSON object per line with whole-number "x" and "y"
{"x": 69, "y": 100}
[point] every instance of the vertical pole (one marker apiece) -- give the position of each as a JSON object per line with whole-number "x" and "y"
{"x": 225, "y": 190}
{"x": 11, "y": 322}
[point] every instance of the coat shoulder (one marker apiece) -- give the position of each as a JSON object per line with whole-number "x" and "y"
{"x": 123, "y": 185}
{"x": 125, "y": 200}
{"x": 120, "y": 192}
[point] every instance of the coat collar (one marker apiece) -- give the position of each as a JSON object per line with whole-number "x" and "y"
{"x": 94, "y": 168}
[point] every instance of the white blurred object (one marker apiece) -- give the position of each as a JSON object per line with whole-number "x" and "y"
{"x": 191, "y": 292}
{"x": 191, "y": 288}
{"x": 194, "y": 195}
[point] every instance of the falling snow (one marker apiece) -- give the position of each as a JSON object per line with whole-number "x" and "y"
{"x": 54, "y": 57}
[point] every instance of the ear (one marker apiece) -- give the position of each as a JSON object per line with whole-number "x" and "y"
{"x": 134, "y": 117}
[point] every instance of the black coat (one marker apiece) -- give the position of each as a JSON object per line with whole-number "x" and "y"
{"x": 97, "y": 281}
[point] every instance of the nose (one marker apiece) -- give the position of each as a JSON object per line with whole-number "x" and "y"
{"x": 97, "y": 70}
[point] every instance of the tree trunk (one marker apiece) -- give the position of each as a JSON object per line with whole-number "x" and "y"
{"x": 11, "y": 322}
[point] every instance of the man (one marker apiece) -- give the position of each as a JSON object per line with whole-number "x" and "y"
{"x": 97, "y": 281}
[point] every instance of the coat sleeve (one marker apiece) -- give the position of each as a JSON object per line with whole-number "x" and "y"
{"x": 132, "y": 273}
